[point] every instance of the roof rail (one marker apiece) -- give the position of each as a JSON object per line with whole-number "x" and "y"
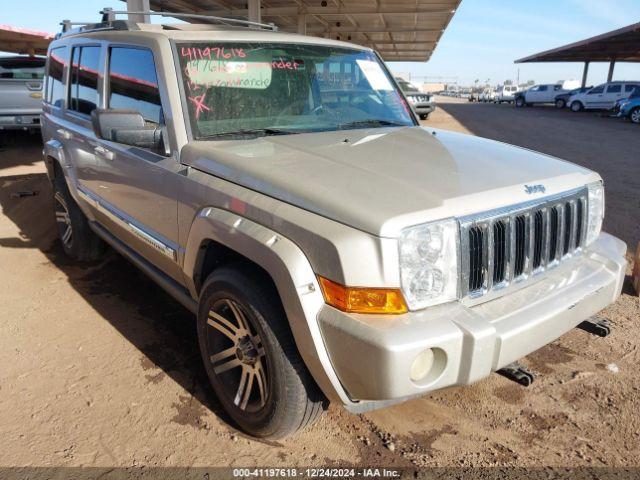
{"x": 109, "y": 15}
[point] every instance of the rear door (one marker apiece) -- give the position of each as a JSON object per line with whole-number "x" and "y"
{"x": 21, "y": 81}
{"x": 613, "y": 93}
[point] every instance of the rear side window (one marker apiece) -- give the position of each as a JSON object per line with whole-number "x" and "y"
{"x": 83, "y": 95}
{"x": 614, "y": 89}
{"x": 22, "y": 68}
{"x": 629, "y": 87}
{"x": 595, "y": 90}
{"x": 133, "y": 83}
{"x": 58, "y": 61}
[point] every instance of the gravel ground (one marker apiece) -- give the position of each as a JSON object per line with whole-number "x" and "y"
{"x": 100, "y": 367}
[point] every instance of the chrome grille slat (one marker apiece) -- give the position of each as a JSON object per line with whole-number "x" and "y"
{"x": 511, "y": 245}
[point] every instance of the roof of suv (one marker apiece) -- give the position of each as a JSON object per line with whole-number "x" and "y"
{"x": 201, "y": 32}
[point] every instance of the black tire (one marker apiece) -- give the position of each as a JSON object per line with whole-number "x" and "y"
{"x": 634, "y": 115}
{"x": 520, "y": 102}
{"x": 577, "y": 106}
{"x": 561, "y": 103}
{"x": 242, "y": 322}
{"x": 77, "y": 239}
{"x": 424, "y": 116}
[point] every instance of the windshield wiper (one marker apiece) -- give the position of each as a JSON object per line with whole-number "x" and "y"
{"x": 258, "y": 132}
{"x": 372, "y": 122}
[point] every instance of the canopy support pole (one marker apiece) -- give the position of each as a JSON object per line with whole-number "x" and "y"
{"x": 612, "y": 65}
{"x": 302, "y": 23}
{"x": 138, "y": 6}
{"x": 254, "y": 11}
{"x": 585, "y": 71}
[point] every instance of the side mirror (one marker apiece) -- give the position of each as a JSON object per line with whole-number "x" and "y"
{"x": 127, "y": 127}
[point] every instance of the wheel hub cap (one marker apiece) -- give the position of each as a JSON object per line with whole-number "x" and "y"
{"x": 246, "y": 352}
{"x": 237, "y": 356}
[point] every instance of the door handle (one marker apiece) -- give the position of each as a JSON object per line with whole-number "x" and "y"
{"x": 103, "y": 152}
{"x": 66, "y": 134}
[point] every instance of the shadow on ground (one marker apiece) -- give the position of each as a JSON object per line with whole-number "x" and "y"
{"x": 144, "y": 314}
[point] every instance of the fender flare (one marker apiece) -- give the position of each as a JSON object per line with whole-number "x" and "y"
{"x": 291, "y": 273}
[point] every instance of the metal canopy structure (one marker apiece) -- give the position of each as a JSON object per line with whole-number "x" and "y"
{"x": 23, "y": 41}
{"x": 622, "y": 45}
{"x": 400, "y": 30}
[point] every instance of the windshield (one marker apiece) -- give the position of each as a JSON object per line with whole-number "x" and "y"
{"x": 22, "y": 68}
{"x": 406, "y": 86}
{"x": 261, "y": 88}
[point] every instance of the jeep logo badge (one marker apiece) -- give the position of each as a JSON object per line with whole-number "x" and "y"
{"x": 530, "y": 189}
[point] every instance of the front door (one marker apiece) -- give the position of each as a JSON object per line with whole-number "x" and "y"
{"x": 137, "y": 186}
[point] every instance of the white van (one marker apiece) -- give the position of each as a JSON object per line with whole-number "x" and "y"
{"x": 506, "y": 93}
{"x": 602, "y": 97}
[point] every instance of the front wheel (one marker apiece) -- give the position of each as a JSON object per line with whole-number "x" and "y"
{"x": 250, "y": 355}
{"x": 520, "y": 102}
{"x": 424, "y": 116}
{"x": 560, "y": 103}
{"x": 577, "y": 107}
{"x": 634, "y": 116}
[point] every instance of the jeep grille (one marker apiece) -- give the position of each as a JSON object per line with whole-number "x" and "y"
{"x": 511, "y": 245}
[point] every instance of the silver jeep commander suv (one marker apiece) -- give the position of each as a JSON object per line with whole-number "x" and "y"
{"x": 280, "y": 187}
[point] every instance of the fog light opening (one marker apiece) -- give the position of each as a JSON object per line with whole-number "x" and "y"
{"x": 422, "y": 365}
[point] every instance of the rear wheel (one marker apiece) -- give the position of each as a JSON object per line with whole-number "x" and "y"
{"x": 634, "y": 116}
{"x": 577, "y": 106}
{"x": 250, "y": 355}
{"x": 78, "y": 240}
{"x": 520, "y": 102}
{"x": 424, "y": 116}
{"x": 561, "y": 103}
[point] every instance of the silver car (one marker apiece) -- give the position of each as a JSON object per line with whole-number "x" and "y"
{"x": 421, "y": 103}
{"x": 21, "y": 92}
{"x": 330, "y": 248}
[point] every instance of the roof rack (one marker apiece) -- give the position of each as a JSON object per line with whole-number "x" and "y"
{"x": 109, "y": 15}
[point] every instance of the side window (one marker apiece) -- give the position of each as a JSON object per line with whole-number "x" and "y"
{"x": 85, "y": 66}
{"x": 629, "y": 88}
{"x": 595, "y": 90}
{"x": 543, "y": 88}
{"x": 133, "y": 83}
{"x": 58, "y": 61}
{"x": 614, "y": 88}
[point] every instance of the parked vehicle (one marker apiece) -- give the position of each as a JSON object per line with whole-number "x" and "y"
{"x": 630, "y": 107}
{"x": 505, "y": 93}
{"x": 464, "y": 93}
{"x": 421, "y": 103}
{"x": 602, "y": 97}
{"x": 538, "y": 94}
{"x": 330, "y": 248}
{"x": 561, "y": 100}
{"x": 488, "y": 95}
{"x": 21, "y": 92}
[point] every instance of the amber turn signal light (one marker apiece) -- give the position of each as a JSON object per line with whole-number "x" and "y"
{"x": 362, "y": 300}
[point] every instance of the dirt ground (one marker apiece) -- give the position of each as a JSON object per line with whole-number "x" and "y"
{"x": 99, "y": 367}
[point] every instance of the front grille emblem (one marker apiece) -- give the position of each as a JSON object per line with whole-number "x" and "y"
{"x": 531, "y": 189}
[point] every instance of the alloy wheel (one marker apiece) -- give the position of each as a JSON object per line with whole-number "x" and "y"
{"x": 635, "y": 116}
{"x": 63, "y": 220}
{"x": 237, "y": 355}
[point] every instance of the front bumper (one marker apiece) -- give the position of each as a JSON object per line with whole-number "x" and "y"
{"x": 423, "y": 108}
{"x": 372, "y": 355}
{"x": 20, "y": 122}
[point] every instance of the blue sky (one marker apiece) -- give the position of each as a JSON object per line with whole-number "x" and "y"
{"x": 481, "y": 42}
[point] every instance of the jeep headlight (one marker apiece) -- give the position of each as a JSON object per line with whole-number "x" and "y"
{"x": 596, "y": 211}
{"x": 429, "y": 263}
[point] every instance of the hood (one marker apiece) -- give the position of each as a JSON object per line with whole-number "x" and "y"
{"x": 382, "y": 180}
